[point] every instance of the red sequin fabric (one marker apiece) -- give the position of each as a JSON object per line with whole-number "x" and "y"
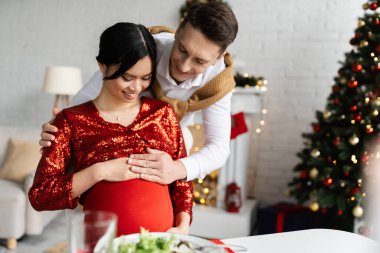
{"x": 85, "y": 138}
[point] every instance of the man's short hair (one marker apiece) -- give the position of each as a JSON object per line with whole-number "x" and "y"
{"x": 215, "y": 20}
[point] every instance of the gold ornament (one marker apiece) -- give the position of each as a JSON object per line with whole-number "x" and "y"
{"x": 343, "y": 80}
{"x": 363, "y": 43}
{"x": 365, "y": 7}
{"x": 326, "y": 114}
{"x": 314, "y": 206}
{"x": 358, "y": 211}
{"x": 375, "y": 113}
{"x": 315, "y": 153}
{"x": 354, "y": 140}
{"x": 313, "y": 172}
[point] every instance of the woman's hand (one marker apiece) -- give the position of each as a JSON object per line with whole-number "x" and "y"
{"x": 115, "y": 170}
{"x": 157, "y": 166}
{"x": 182, "y": 221}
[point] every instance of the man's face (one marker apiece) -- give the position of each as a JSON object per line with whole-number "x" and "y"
{"x": 192, "y": 54}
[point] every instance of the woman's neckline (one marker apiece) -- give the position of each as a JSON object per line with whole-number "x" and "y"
{"x": 99, "y": 115}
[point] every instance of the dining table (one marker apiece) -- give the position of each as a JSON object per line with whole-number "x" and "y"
{"x": 307, "y": 241}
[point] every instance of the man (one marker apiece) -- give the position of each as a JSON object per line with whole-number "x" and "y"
{"x": 194, "y": 73}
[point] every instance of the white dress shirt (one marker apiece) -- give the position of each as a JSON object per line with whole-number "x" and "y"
{"x": 216, "y": 118}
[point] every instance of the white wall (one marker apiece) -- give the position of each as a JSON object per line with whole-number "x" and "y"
{"x": 294, "y": 44}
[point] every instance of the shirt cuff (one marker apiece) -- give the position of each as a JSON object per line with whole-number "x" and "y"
{"x": 192, "y": 168}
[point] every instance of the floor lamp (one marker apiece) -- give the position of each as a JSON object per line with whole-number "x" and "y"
{"x": 62, "y": 81}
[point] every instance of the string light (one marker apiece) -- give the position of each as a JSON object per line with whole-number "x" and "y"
{"x": 353, "y": 159}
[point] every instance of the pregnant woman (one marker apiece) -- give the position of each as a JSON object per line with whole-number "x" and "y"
{"x": 87, "y": 163}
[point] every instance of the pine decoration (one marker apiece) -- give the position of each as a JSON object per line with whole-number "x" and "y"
{"x": 340, "y": 146}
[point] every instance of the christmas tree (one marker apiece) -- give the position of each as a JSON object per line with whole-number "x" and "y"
{"x": 331, "y": 174}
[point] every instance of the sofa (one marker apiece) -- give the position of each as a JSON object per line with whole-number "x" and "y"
{"x": 17, "y": 217}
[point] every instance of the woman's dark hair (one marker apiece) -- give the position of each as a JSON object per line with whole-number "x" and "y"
{"x": 123, "y": 45}
{"x": 215, "y": 20}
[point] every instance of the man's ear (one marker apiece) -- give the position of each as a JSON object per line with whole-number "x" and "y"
{"x": 102, "y": 68}
{"x": 220, "y": 57}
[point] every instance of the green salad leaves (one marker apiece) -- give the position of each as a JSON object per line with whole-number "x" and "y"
{"x": 149, "y": 243}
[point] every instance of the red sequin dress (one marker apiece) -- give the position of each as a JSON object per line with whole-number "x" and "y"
{"x": 84, "y": 138}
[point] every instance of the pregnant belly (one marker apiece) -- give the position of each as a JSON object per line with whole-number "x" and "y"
{"x": 137, "y": 203}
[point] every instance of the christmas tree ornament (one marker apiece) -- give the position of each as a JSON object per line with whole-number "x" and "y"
{"x": 303, "y": 174}
{"x": 336, "y": 88}
{"x": 363, "y": 43}
{"x": 316, "y": 128}
{"x": 361, "y": 23}
{"x": 315, "y": 153}
{"x": 373, "y": 6}
{"x": 354, "y": 190}
{"x": 365, "y": 6}
{"x": 375, "y": 113}
{"x": 314, "y": 206}
{"x": 352, "y": 84}
{"x": 357, "y": 67}
{"x": 340, "y": 212}
{"x": 369, "y": 129}
{"x": 353, "y": 140}
{"x": 336, "y": 101}
{"x": 336, "y": 141}
{"x": 328, "y": 181}
{"x": 357, "y": 211}
{"x": 313, "y": 172}
{"x": 353, "y": 108}
{"x": 326, "y": 114}
{"x": 357, "y": 117}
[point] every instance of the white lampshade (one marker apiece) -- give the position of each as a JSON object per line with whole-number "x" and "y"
{"x": 62, "y": 80}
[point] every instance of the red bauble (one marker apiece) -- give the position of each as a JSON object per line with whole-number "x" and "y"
{"x": 355, "y": 190}
{"x": 346, "y": 173}
{"x": 336, "y": 89}
{"x": 316, "y": 128}
{"x": 377, "y": 21}
{"x": 340, "y": 212}
{"x": 373, "y": 6}
{"x": 353, "y": 108}
{"x": 353, "y": 84}
{"x": 328, "y": 181}
{"x": 357, "y": 67}
{"x": 336, "y": 101}
{"x": 369, "y": 130}
{"x": 303, "y": 174}
{"x": 357, "y": 117}
{"x": 336, "y": 141}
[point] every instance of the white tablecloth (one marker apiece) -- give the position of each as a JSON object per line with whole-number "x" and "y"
{"x": 307, "y": 241}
